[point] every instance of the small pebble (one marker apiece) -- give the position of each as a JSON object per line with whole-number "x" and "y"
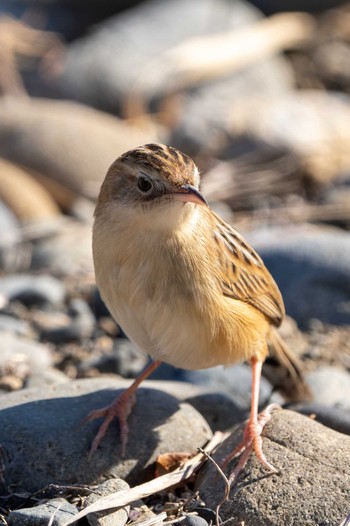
{"x": 109, "y": 517}
{"x": 206, "y": 513}
{"x": 194, "y": 520}
{"x": 59, "y": 511}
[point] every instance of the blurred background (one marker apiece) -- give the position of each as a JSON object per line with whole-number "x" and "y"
{"x": 258, "y": 97}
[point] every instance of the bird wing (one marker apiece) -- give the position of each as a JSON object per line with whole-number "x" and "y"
{"x": 244, "y": 275}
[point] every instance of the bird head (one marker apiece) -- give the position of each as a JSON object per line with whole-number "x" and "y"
{"x": 155, "y": 181}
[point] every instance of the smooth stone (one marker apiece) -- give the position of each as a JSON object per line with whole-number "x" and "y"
{"x": 118, "y": 517}
{"x": 32, "y": 290}
{"x": 207, "y": 111}
{"x": 206, "y": 513}
{"x": 220, "y": 410}
{"x": 67, "y": 252}
{"x": 221, "y": 395}
{"x": 311, "y": 266}
{"x": 141, "y": 35}
{"x": 330, "y": 386}
{"x": 43, "y": 442}
{"x": 81, "y": 324}
{"x": 235, "y": 380}
{"x": 59, "y": 511}
{"x": 28, "y": 199}
{"x": 10, "y": 241}
{"x": 194, "y": 520}
{"x": 72, "y": 147}
{"x": 129, "y": 360}
{"x": 14, "y": 325}
{"x": 312, "y": 486}
{"x": 124, "y": 359}
{"x": 276, "y": 121}
{"x": 336, "y": 418}
{"x": 36, "y": 355}
{"x": 47, "y": 377}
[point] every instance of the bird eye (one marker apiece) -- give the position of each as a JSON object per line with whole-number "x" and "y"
{"x": 144, "y": 183}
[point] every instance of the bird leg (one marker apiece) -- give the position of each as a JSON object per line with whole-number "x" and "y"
{"x": 252, "y": 439}
{"x": 121, "y": 408}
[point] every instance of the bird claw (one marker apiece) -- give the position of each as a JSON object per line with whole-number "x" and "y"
{"x": 252, "y": 440}
{"x": 120, "y": 409}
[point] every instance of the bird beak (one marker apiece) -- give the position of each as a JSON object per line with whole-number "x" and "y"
{"x": 190, "y": 194}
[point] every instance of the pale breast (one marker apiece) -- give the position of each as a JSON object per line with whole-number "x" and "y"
{"x": 191, "y": 332}
{"x": 172, "y": 308}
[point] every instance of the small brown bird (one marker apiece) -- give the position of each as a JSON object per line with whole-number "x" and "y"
{"x": 184, "y": 286}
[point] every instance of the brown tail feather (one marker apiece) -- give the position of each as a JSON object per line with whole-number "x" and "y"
{"x": 288, "y": 375}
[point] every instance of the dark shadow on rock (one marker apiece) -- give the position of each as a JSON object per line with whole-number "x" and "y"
{"x": 43, "y": 442}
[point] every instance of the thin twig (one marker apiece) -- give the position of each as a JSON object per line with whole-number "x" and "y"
{"x": 226, "y": 481}
{"x": 54, "y": 514}
{"x": 209, "y": 457}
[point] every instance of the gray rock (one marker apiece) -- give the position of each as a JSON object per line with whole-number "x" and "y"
{"x": 43, "y": 443}
{"x": 68, "y": 252}
{"x": 46, "y": 377}
{"x": 125, "y": 359}
{"x": 311, "y": 266}
{"x": 32, "y": 290}
{"x": 206, "y": 513}
{"x": 207, "y": 112}
{"x": 14, "y": 325}
{"x": 220, "y": 410}
{"x": 36, "y": 355}
{"x": 72, "y": 147}
{"x": 221, "y": 395}
{"x": 10, "y": 239}
{"x": 57, "y": 510}
{"x": 194, "y": 520}
{"x": 330, "y": 386}
{"x": 141, "y": 35}
{"x": 235, "y": 381}
{"x": 312, "y": 486}
{"x": 276, "y": 121}
{"x": 81, "y": 324}
{"x": 333, "y": 417}
{"x": 109, "y": 517}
